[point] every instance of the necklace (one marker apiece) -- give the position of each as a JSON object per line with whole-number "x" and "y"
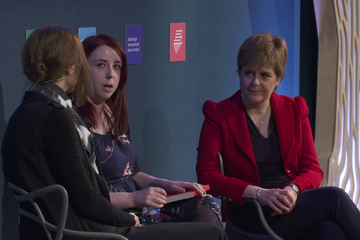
{"x": 261, "y": 122}
{"x": 258, "y": 126}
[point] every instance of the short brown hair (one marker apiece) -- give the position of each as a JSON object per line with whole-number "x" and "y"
{"x": 261, "y": 49}
{"x": 49, "y": 52}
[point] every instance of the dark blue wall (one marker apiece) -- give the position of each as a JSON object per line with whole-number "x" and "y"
{"x": 165, "y": 99}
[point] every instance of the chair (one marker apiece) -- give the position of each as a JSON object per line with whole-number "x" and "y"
{"x": 246, "y": 234}
{"x": 22, "y": 196}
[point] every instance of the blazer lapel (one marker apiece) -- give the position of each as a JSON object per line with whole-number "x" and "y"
{"x": 234, "y": 112}
{"x": 283, "y": 116}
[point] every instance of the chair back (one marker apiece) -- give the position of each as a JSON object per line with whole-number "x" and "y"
{"x": 22, "y": 196}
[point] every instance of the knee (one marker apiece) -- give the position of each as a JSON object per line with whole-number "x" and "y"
{"x": 338, "y": 193}
{"x": 339, "y": 199}
{"x": 212, "y": 232}
{"x": 206, "y": 215}
{"x": 327, "y": 230}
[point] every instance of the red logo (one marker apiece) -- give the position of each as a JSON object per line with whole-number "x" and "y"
{"x": 177, "y": 42}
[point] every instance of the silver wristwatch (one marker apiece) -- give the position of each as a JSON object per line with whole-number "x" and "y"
{"x": 295, "y": 188}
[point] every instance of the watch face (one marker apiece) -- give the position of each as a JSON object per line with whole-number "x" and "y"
{"x": 296, "y": 189}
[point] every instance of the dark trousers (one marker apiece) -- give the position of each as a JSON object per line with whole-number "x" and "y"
{"x": 321, "y": 213}
{"x": 203, "y": 224}
{"x": 194, "y": 228}
{"x": 177, "y": 231}
{"x": 205, "y": 215}
{"x": 31, "y": 230}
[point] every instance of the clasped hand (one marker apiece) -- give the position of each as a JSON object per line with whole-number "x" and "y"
{"x": 137, "y": 221}
{"x": 282, "y": 201}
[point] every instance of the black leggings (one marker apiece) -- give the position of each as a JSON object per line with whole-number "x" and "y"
{"x": 177, "y": 231}
{"x": 205, "y": 215}
{"x": 203, "y": 224}
{"x": 321, "y": 213}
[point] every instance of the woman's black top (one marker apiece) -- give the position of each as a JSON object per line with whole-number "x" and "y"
{"x": 267, "y": 155}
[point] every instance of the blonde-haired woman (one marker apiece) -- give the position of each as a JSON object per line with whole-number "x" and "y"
{"x": 268, "y": 151}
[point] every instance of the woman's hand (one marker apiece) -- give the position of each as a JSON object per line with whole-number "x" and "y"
{"x": 137, "y": 222}
{"x": 145, "y": 180}
{"x": 179, "y": 187}
{"x": 150, "y": 196}
{"x": 292, "y": 197}
{"x": 282, "y": 201}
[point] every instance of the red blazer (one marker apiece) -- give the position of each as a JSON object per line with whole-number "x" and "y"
{"x": 225, "y": 130}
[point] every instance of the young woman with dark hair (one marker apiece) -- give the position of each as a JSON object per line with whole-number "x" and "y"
{"x": 107, "y": 116}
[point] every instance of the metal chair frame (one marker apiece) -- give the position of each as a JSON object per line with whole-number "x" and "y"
{"x": 60, "y": 230}
{"x": 250, "y": 235}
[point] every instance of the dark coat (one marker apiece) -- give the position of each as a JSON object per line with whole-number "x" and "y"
{"x": 41, "y": 146}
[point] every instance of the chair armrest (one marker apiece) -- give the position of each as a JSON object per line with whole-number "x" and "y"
{"x": 259, "y": 210}
{"x": 262, "y": 219}
{"x": 25, "y": 196}
{"x": 60, "y": 228}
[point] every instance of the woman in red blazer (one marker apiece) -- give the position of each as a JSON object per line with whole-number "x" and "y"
{"x": 268, "y": 152}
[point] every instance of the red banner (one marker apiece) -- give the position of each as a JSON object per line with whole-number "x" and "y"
{"x": 177, "y": 42}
